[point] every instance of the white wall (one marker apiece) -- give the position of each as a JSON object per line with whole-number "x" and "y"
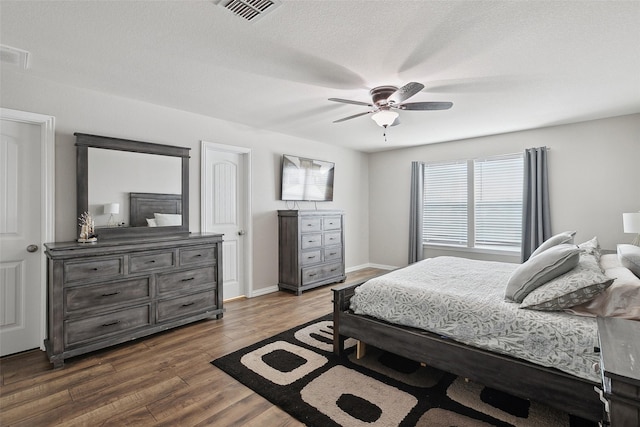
{"x": 85, "y": 111}
{"x": 594, "y": 174}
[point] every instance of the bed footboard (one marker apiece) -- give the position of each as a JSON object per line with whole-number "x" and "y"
{"x": 520, "y": 378}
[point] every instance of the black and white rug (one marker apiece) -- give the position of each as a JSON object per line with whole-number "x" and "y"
{"x": 297, "y": 371}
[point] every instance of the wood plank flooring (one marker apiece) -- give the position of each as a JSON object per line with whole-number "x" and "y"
{"x": 162, "y": 380}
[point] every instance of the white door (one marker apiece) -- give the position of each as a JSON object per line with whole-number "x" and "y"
{"x": 24, "y": 223}
{"x": 225, "y": 209}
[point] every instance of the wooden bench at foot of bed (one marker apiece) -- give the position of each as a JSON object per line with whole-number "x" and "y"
{"x": 520, "y": 378}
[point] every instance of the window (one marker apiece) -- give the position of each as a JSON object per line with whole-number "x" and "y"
{"x": 474, "y": 203}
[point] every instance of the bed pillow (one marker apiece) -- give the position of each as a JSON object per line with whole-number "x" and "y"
{"x": 163, "y": 220}
{"x": 592, "y": 247}
{"x": 629, "y": 256}
{"x": 151, "y": 222}
{"x": 558, "y": 239}
{"x": 538, "y": 270}
{"x": 575, "y": 287}
{"x": 621, "y": 299}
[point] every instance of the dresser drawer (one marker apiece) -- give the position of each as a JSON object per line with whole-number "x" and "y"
{"x": 309, "y": 241}
{"x": 94, "y": 269}
{"x": 187, "y": 305}
{"x": 153, "y": 261}
{"x": 200, "y": 255}
{"x": 310, "y": 224}
{"x": 97, "y": 327}
{"x": 331, "y": 223}
{"x": 185, "y": 281}
{"x": 321, "y": 272}
{"x": 310, "y": 257}
{"x": 333, "y": 253}
{"x": 82, "y": 297}
{"x": 332, "y": 238}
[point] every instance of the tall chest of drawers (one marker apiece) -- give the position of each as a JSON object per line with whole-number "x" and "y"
{"x": 310, "y": 248}
{"x": 107, "y": 293}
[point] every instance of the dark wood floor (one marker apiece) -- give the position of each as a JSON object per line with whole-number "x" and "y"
{"x": 161, "y": 380}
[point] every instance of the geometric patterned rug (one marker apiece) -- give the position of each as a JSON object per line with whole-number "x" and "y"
{"x": 297, "y": 371}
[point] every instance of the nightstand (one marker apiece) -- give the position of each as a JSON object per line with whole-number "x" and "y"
{"x": 620, "y": 370}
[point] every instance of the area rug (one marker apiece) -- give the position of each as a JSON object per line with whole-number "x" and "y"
{"x": 297, "y": 371}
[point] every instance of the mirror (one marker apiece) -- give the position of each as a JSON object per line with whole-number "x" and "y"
{"x": 132, "y": 188}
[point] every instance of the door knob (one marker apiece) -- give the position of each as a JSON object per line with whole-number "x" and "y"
{"x": 32, "y": 248}
{"x": 241, "y": 233}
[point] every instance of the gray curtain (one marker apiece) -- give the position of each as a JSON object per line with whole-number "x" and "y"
{"x": 536, "y": 222}
{"x": 415, "y": 212}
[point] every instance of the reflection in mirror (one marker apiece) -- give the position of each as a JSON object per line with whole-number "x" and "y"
{"x": 113, "y": 175}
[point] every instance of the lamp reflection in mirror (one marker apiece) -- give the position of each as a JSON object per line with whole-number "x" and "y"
{"x": 384, "y": 118}
{"x": 631, "y": 224}
{"x": 111, "y": 209}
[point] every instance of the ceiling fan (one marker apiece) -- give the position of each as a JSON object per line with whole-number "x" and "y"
{"x": 385, "y": 99}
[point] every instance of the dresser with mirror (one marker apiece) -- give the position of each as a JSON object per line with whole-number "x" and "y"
{"x": 145, "y": 272}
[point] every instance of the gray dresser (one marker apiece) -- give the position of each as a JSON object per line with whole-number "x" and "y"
{"x": 106, "y": 293}
{"x": 311, "y": 248}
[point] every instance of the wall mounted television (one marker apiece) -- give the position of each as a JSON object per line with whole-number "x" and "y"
{"x": 306, "y": 179}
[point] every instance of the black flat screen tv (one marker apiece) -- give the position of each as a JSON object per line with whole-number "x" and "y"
{"x": 306, "y": 179}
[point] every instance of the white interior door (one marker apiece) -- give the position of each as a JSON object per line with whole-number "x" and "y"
{"x": 25, "y": 221}
{"x": 225, "y": 206}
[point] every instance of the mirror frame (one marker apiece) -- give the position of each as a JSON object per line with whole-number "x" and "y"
{"x": 86, "y": 141}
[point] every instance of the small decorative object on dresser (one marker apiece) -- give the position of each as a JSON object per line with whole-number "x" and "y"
{"x": 311, "y": 248}
{"x": 620, "y": 369}
{"x": 112, "y": 292}
{"x": 86, "y": 228}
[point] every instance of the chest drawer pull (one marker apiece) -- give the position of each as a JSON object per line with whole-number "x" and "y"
{"x": 188, "y": 304}
{"x": 111, "y": 323}
{"x": 188, "y": 279}
{"x": 110, "y": 294}
{"x": 311, "y": 257}
{"x": 151, "y": 261}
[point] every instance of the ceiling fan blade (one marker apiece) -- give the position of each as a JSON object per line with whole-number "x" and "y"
{"x": 348, "y": 101}
{"x": 425, "y": 106}
{"x": 352, "y": 117}
{"x": 405, "y": 92}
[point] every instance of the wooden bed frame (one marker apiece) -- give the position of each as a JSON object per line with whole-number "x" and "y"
{"x": 515, "y": 376}
{"x": 144, "y": 205}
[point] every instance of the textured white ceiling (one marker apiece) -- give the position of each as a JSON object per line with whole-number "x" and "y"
{"x": 505, "y": 65}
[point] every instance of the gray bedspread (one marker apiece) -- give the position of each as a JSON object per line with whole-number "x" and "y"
{"x": 464, "y": 300}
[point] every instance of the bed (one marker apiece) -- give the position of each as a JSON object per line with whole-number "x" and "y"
{"x": 144, "y": 206}
{"x": 564, "y": 379}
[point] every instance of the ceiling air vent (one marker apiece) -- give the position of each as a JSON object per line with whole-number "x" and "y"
{"x": 14, "y": 56}
{"x": 251, "y": 10}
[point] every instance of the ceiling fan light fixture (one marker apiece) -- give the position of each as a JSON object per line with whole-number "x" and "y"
{"x": 384, "y": 118}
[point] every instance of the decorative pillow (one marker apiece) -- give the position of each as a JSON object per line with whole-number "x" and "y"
{"x": 163, "y": 220}
{"x": 538, "y": 270}
{"x": 629, "y": 256}
{"x": 575, "y": 287}
{"x": 151, "y": 222}
{"x": 592, "y": 247}
{"x": 558, "y": 239}
{"x": 621, "y": 299}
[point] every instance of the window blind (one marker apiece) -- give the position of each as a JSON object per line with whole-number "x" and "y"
{"x": 475, "y": 203}
{"x": 445, "y": 203}
{"x": 498, "y": 201}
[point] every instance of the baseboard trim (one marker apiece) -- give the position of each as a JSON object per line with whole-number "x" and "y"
{"x": 271, "y": 289}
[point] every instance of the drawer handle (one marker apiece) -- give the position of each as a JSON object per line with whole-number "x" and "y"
{"x": 312, "y": 274}
{"x": 111, "y": 294}
{"x": 151, "y": 261}
{"x": 95, "y": 268}
{"x": 311, "y": 257}
{"x": 333, "y": 269}
{"x": 111, "y": 324}
{"x": 186, "y": 280}
{"x": 333, "y": 253}
{"x": 188, "y": 304}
